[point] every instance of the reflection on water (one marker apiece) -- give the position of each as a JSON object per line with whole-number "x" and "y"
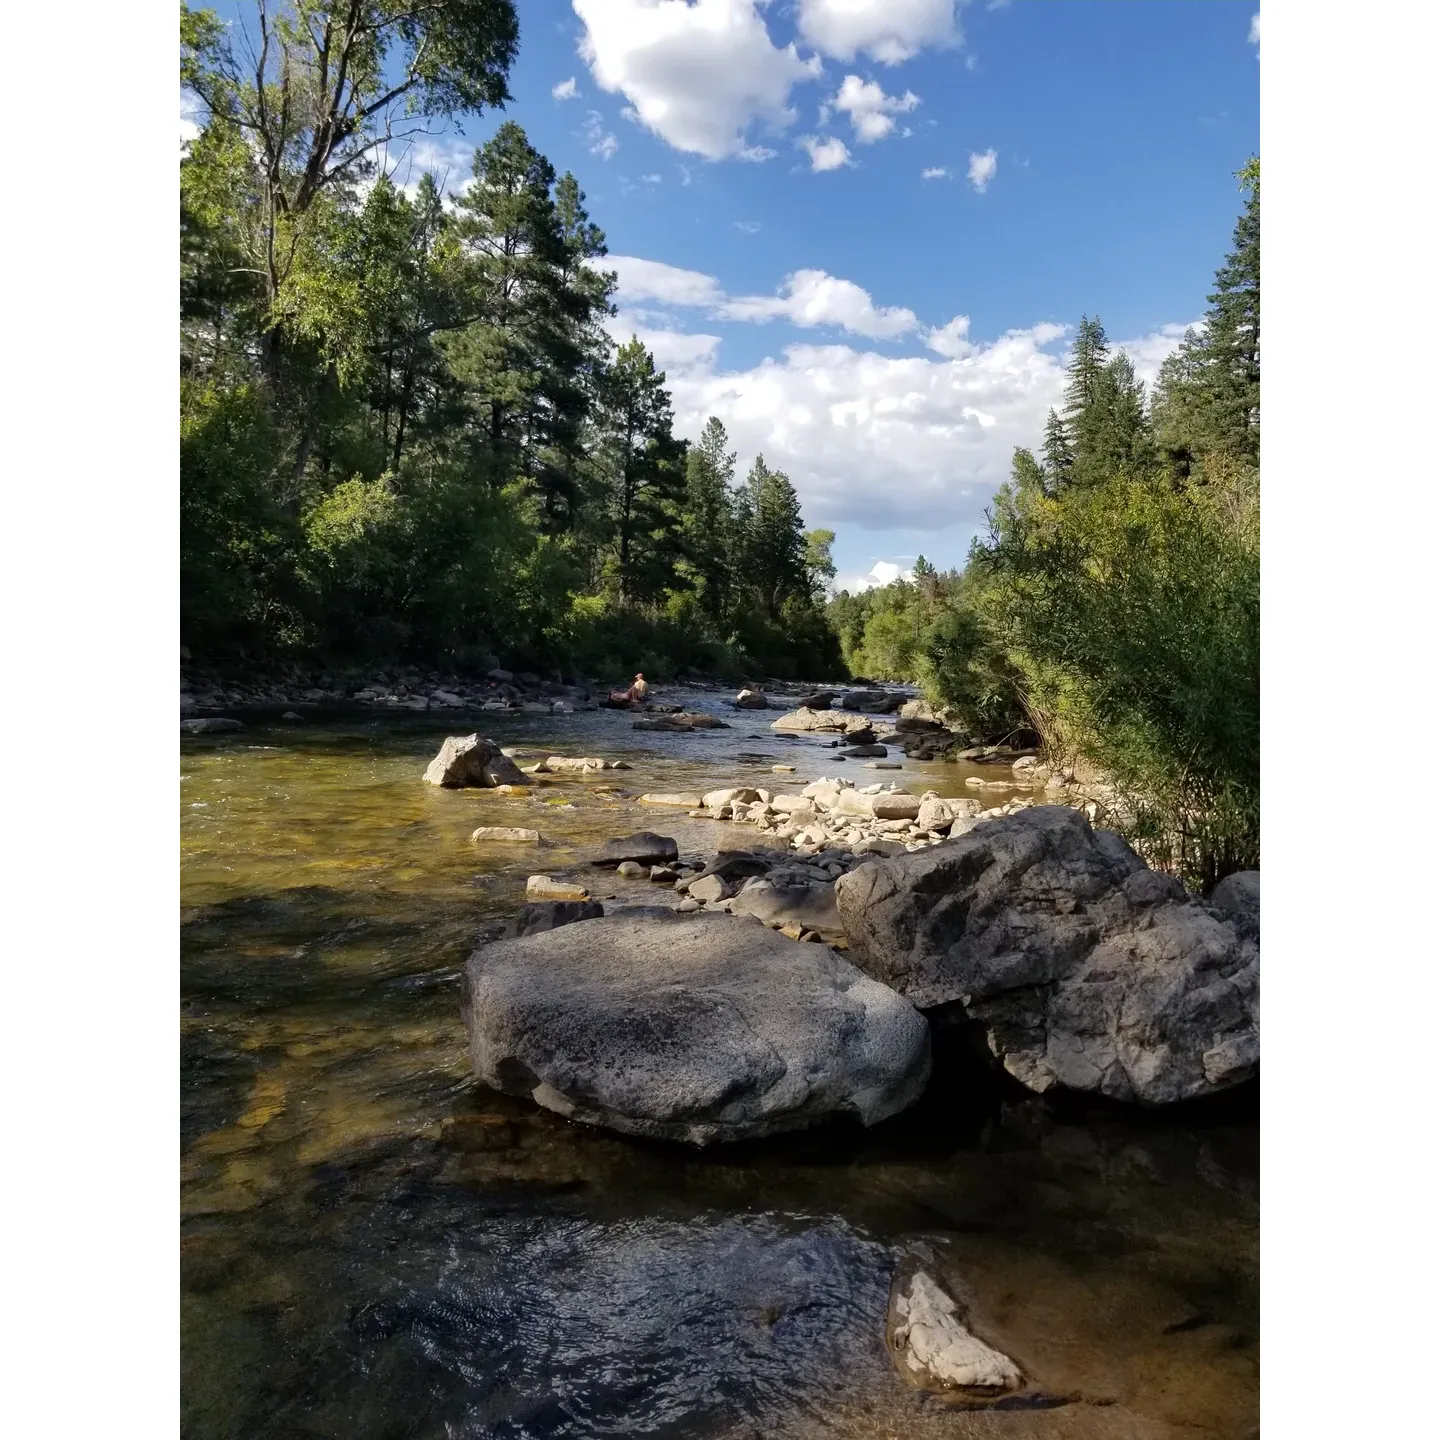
{"x": 373, "y": 1246}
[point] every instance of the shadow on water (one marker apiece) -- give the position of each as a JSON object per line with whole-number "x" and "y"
{"x": 374, "y": 1246}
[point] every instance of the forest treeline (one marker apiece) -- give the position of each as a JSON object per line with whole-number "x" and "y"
{"x": 1112, "y": 610}
{"x": 405, "y": 431}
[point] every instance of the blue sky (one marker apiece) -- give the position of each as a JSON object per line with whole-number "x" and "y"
{"x": 759, "y": 168}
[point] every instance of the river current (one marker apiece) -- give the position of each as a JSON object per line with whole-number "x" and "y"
{"x": 374, "y": 1246}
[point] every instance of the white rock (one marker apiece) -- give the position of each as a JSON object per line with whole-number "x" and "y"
{"x": 512, "y": 834}
{"x": 934, "y": 1343}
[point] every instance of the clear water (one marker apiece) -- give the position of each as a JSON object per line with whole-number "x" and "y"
{"x": 374, "y": 1246}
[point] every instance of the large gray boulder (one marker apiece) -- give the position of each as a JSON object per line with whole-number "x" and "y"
{"x": 1239, "y": 894}
{"x": 827, "y": 722}
{"x": 699, "y": 1028}
{"x": 1087, "y": 969}
{"x": 471, "y": 760}
{"x": 869, "y": 700}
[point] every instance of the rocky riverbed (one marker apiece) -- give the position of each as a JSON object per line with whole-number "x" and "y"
{"x": 375, "y": 1244}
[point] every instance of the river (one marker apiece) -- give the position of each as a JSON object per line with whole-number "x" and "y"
{"x": 355, "y": 1263}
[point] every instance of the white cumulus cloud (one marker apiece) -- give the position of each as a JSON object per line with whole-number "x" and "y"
{"x": 806, "y": 298}
{"x": 982, "y": 170}
{"x": 889, "y": 31}
{"x": 826, "y": 153}
{"x": 565, "y": 90}
{"x": 811, "y": 297}
{"x": 872, "y": 112}
{"x": 1255, "y": 31}
{"x": 698, "y": 75}
{"x": 935, "y": 172}
{"x": 884, "y": 572}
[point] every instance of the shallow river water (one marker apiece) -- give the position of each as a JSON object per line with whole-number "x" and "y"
{"x": 374, "y": 1246}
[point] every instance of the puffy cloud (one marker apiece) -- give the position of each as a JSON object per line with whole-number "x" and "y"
{"x": 935, "y": 172}
{"x": 826, "y": 153}
{"x": 807, "y": 298}
{"x": 698, "y": 75}
{"x": 889, "y": 31}
{"x": 889, "y": 443}
{"x": 872, "y": 112}
{"x": 811, "y": 297}
{"x": 951, "y": 339}
{"x": 982, "y": 170}
{"x": 565, "y": 90}
{"x": 1255, "y": 31}
{"x": 642, "y": 280}
{"x": 674, "y": 350}
{"x": 884, "y": 572}
{"x": 600, "y": 141}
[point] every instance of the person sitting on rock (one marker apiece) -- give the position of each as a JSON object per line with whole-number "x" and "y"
{"x": 638, "y": 690}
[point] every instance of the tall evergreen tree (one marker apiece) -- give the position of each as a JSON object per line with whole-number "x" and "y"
{"x": 708, "y": 523}
{"x": 1232, "y": 333}
{"x": 1059, "y": 456}
{"x": 774, "y": 539}
{"x": 646, "y": 473}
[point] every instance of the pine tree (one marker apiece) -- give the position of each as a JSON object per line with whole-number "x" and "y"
{"x": 1059, "y": 457}
{"x": 646, "y": 474}
{"x": 1231, "y": 349}
{"x": 774, "y": 544}
{"x": 707, "y": 527}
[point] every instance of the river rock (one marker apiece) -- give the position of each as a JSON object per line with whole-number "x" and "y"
{"x": 863, "y": 699}
{"x": 697, "y": 1028}
{"x": 543, "y": 915}
{"x": 470, "y": 760}
{"x": 632, "y": 870}
{"x": 1085, "y": 972}
{"x": 546, "y": 887}
{"x": 709, "y": 888}
{"x": 571, "y": 764}
{"x": 941, "y": 815}
{"x": 510, "y": 834}
{"x": 212, "y": 725}
{"x": 812, "y": 907}
{"x": 645, "y": 847}
{"x": 895, "y": 805}
{"x": 820, "y": 700}
{"x": 683, "y": 800}
{"x": 735, "y": 795}
{"x": 853, "y": 727}
{"x": 1239, "y": 894}
{"x": 918, "y": 716}
{"x": 934, "y": 1347}
{"x": 864, "y": 752}
{"x": 752, "y": 700}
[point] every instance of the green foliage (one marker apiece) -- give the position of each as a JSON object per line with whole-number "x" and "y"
{"x": 406, "y": 432}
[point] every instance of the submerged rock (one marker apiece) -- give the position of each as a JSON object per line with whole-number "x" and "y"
{"x": 1087, "y": 969}
{"x": 542, "y": 915}
{"x": 509, "y": 834}
{"x": 700, "y": 1029}
{"x": 213, "y": 725}
{"x": 683, "y": 800}
{"x": 466, "y": 760}
{"x": 934, "y": 1347}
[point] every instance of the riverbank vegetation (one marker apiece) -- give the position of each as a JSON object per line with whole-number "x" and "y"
{"x": 1113, "y": 609}
{"x": 405, "y": 431}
